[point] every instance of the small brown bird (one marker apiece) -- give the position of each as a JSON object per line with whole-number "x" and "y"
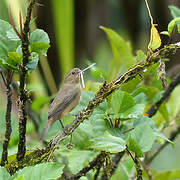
{"x": 67, "y": 99}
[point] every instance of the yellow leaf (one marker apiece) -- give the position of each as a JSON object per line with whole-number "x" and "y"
{"x": 155, "y": 40}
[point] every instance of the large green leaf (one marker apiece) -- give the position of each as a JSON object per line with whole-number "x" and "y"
{"x": 107, "y": 142}
{"x": 172, "y": 24}
{"x": 144, "y": 137}
{"x": 41, "y": 171}
{"x": 6, "y": 44}
{"x": 121, "y": 101}
{"x": 39, "y": 42}
{"x": 123, "y": 57}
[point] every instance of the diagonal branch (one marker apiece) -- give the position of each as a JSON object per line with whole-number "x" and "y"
{"x": 23, "y": 94}
{"x": 104, "y": 91}
{"x": 99, "y": 160}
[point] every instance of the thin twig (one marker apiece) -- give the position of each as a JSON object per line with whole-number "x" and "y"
{"x": 23, "y": 94}
{"x": 137, "y": 165}
{"x": 4, "y": 157}
{"x": 99, "y": 160}
{"x": 154, "y": 108}
{"x": 4, "y": 80}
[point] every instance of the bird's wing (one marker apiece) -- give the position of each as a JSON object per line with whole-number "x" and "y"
{"x": 62, "y": 102}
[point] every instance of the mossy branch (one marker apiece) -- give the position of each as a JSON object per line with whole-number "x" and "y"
{"x": 105, "y": 90}
{"x": 7, "y": 83}
{"x": 22, "y": 115}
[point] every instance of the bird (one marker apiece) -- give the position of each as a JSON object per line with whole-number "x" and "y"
{"x": 66, "y": 100}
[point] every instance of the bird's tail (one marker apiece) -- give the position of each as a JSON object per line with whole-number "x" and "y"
{"x": 45, "y": 130}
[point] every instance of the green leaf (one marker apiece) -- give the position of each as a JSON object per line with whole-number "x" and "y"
{"x": 14, "y": 58}
{"x": 11, "y": 34}
{"x": 33, "y": 62}
{"x": 161, "y": 135}
{"x": 140, "y": 56}
{"x": 39, "y": 36}
{"x": 172, "y": 24}
{"x": 175, "y": 11}
{"x": 40, "y": 48}
{"x": 6, "y": 44}
{"x": 4, "y": 175}
{"x": 122, "y": 52}
{"x": 39, "y": 42}
{"x": 41, "y": 171}
{"x": 146, "y": 120}
{"x": 82, "y": 158}
{"x": 132, "y": 112}
{"x": 134, "y": 146}
{"x": 121, "y": 101}
{"x": 144, "y": 136}
{"x": 109, "y": 143}
{"x": 165, "y": 33}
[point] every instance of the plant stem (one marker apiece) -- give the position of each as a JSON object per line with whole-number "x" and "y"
{"x": 23, "y": 94}
{"x": 4, "y": 157}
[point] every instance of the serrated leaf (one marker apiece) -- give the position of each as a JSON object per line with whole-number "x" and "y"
{"x": 146, "y": 120}
{"x": 155, "y": 40}
{"x": 108, "y": 143}
{"x": 41, "y": 171}
{"x": 122, "y": 52}
{"x": 121, "y": 101}
{"x": 33, "y": 62}
{"x": 133, "y": 112}
{"x": 140, "y": 56}
{"x": 172, "y": 24}
{"x": 144, "y": 136}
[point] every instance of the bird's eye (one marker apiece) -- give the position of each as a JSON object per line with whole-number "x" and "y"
{"x": 73, "y": 72}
